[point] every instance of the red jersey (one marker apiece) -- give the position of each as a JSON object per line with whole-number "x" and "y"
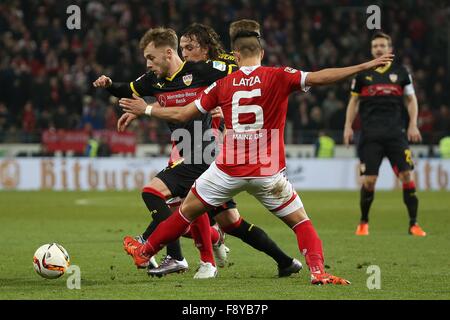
{"x": 254, "y": 103}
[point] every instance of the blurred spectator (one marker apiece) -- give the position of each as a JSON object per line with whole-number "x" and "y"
{"x": 425, "y": 120}
{"x": 444, "y": 147}
{"x": 111, "y": 118}
{"x": 43, "y": 62}
{"x": 442, "y": 123}
{"x": 92, "y": 146}
{"x": 61, "y": 120}
{"x": 45, "y": 120}
{"x": 330, "y": 105}
{"x": 316, "y": 119}
{"x": 337, "y": 122}
{"x": 28, "y": 122}
{"x": 324, "y": 147}
{"x": 4, "y": 121}
{"x": 104, "y": 149}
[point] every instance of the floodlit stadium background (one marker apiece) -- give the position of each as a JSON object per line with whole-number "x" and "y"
{"x": 48, "y": 104}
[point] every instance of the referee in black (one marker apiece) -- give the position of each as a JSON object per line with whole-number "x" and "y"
{"x": 379, "y": 96}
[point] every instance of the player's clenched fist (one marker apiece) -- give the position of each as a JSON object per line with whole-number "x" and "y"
{"x": 102, "y": 82}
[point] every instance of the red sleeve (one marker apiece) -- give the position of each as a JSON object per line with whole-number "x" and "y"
{"x": 209, "y": 99}
{"x": 293, "y": 79}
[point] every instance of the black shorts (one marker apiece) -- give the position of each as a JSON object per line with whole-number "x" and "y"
{"x": 180, "y": 177}
{"x": 230, "y": 204}
{"x": 373, "y": 147}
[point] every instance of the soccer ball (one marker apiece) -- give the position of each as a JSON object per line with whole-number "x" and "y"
{"x": 51, "y": 261}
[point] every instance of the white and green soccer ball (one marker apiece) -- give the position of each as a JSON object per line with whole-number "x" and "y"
{"x": 51, "y": 261}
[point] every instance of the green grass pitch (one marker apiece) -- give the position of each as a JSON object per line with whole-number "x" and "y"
{"x": 91, "y": 225}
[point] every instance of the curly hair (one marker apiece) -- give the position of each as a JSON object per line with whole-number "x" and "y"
{"x": 206, "y": 37}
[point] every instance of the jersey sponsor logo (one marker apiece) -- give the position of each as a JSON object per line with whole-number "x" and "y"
{"x": 382, "y": 90}
{"x": 162, "y": 100}
{"x": 290, "y": 70}
{"x": 393, "y": 77}
{"x": 246, "y": 81}
{"x": 225, "y": 56}
{"x": 219, "y": 65}
{"x": 178, "y": 98}
{"x": 187, "y": 79}
{"x": 160, "y": 85}
{"x": 369, "y": 78}
{"x": 207, "y": 90}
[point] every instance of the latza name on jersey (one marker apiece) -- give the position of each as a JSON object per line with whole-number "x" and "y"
{"x": 247, "y": 81}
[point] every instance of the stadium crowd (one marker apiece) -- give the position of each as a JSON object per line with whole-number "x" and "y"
{"x": 46, "y": 70}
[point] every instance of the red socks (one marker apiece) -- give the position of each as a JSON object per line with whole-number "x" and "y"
{"x": 231, "y": 227}
{"x": 409, "y": 185}
{"x": 175, "y": 226}
{"x": 215, "y": 236}
{"x": 310, "y": 245}
{"x": 167, "y": 231}
{"x": 200, "y": 230}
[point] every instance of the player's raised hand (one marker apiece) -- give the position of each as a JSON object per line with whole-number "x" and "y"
{"x": 380, "y": 61}
{"x": 102, "y": 82}
{"x": 414, "y": 134}
{"x": 348, "y": 135}
{"x": 136, "y": 105}
{"x": 124, "y": 121}
{"x": 217, "y": 113}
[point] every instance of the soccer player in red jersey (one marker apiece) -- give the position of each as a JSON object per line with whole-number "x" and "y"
{"x": 176, "y": 180}
{"x": 254, "y": 103}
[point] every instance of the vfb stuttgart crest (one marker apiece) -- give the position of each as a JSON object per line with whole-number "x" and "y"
{"x": 187, "y": 79}
{"x": 393, "y": 77}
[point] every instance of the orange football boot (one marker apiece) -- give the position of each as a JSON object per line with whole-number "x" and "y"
{"x": 362, "y": 229}
{"x": 326, "y": 278}
{"x": 134, "y": 249}
{"x": 417, "y": 231}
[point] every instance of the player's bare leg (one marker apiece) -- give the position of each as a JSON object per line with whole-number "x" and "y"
{"x": 232, "y": 223}
{"x": 366, "y": 199}
{"x": 310, "y": 246}
{"x": 412, "y": 202}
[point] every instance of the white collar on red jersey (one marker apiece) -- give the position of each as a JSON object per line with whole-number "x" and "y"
{"x": 249, "y": 69}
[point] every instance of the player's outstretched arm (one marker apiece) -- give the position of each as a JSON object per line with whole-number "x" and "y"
{"x": 117, "y": 89}
{"x": 352, "y": 110}
{"x": 332, "y": 75}
{"x": 138, "y": 106}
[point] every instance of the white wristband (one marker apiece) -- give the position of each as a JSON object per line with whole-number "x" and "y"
{"x": 148, "y": 110}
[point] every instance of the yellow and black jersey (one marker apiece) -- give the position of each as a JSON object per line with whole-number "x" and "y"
{"x": 227, "y": 58}
{"x": 380, "y": 92}
{"x": 180, "y": 89}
